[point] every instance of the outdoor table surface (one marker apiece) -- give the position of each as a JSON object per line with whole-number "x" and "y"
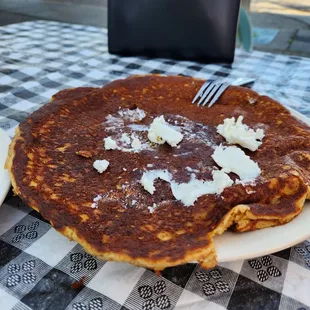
{"x": 38, "y": 265}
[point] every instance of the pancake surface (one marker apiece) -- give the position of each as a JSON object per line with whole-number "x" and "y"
{"x": 51, "y": 166}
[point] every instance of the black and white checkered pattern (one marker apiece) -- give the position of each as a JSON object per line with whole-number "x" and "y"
{"x": 38, "y": 265}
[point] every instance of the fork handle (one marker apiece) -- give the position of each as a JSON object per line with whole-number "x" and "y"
{"x": 243, "y": 81}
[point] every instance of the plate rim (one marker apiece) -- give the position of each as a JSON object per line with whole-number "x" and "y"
{"x": 4, "y": 137}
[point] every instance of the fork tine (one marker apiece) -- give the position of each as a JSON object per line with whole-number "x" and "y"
{"x": 218, "y": 94}
{"x": 201, "y": 90}
{"x": 206, "y": 92}
{"x": 211, "y": 94}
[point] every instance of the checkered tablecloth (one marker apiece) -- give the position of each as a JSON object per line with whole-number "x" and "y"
{"x": 38, "y": 265}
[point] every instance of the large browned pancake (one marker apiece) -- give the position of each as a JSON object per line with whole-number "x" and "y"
{"x": 50, "y": 177}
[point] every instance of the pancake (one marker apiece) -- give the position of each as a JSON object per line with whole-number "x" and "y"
{"x": 110, "y": 214}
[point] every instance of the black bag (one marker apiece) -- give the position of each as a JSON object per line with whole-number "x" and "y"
{"x": 203, "y": 30}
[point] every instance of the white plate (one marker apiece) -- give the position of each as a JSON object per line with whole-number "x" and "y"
{"x": 5, "y": 182}
{"x": 234, "y": 246}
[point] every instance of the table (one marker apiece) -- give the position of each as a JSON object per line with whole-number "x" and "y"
{"x": 38, "y": 265}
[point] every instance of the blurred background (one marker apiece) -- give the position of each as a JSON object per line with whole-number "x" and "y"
{"x": 281, "y": 26}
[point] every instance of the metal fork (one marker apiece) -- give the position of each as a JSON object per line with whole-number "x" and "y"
{"x": 211, "y": 90}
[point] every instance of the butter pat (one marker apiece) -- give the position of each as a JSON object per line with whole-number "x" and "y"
{"x": 160, "y": 132}
{"x": 132, "y": 140}
{"x": 239, "y": 133}
{"x": 189, "y": 192}
{"x": 125, "y": 138}
{"x": 132, "y": 115}
{"x": 149, "y": 177}
{"x": 221, "y": 180}
{"x": 233, "y": 159}
{"x": 101, "y": 165}
{"x": 110, "y": 144}
{"x": 136, "y": 143}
